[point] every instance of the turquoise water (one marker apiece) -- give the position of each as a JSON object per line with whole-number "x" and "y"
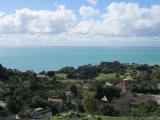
{"x": 54, "y": 58}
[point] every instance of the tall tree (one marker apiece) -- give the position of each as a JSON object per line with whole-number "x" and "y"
{"x": 89, "y": 103}
{"x": 14, "y": 105}
{"x": 73, "y": 90}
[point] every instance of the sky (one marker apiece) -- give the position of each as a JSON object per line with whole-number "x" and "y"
{"x": 134, "y": 23}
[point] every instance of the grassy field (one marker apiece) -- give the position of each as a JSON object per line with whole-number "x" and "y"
{"x": 82, "y": 116}
{"x": 90, "y": 117}
{"x": 105, "y": 77}
{"x": 61, "y": 76}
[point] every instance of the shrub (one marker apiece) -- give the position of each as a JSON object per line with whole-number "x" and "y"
{"x": 108, "y": 110}
{"x": 38, "y": 102}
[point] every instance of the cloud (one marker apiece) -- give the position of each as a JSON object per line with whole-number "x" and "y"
{"x": 128, "y": 20}
{"x": 122, "y": 24}
{"x": 43, "y": 21}
{"x": 87, "y": 11}
{"x": 84, "y": 27}
{"x": 93, "y": 2}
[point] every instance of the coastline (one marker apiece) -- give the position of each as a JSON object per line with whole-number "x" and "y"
{"x": 54, "y": 58}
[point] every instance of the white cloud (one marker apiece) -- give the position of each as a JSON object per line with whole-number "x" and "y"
{"x": 128, "y": 19}
{"x": 87, "y": 11}
{"x": 43, "y": 21}
{"x": 93, "y": 2}
{"x": 122, "y": 24}
{"x": 84, "y": 27}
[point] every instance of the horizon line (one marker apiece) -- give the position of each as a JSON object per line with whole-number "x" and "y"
{"x": 82, "y": 46}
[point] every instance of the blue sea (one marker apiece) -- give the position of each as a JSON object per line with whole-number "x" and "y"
{"x": 54, "y": 58}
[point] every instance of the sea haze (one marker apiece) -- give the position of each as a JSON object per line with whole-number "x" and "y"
{"x": 54, "y": 58}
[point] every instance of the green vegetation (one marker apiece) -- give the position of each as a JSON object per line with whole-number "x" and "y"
{"x": 105, "y": 77}
{"x": 89, "y": 103}
{"x": 121, "y": 91}
{"x": 100, "y": 117}
{"x": 61, "y": 76}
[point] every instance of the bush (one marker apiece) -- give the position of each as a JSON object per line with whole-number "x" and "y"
{"x": 14, "y": 105}
{"x": 111, "y": 92}
{"x": 51, "y": 73}
{"x": 73, "y": 90}
{"x": 3, "y": 73}
{"x": 108, "y": 110}
{"x": 147, "y": 86}
{"x": 89, "y": 103}
{"x": 38, "y": 102}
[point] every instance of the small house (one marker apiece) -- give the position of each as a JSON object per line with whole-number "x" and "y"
{"x": 42, "y": 76}
{"x": 121, "y": 85}
{"x": 45, "y": 77}
{"x": 55, "y": 101}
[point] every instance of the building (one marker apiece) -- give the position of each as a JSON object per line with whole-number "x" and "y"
{"x": 45, "y": 77}
{"x": 55, "y": 101}
{"x": 121, "y": 85}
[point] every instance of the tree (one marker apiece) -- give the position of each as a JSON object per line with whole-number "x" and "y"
{"x": 67, "y": 70}
{"x": 42, "y": 73}
{"x": 116, "y": 78}
{"x": 89, "y": 103}
{"x": 144, "y": 67}
{"x": 28, "y": 75}
{"x": 156, "y": 73}
{"x": 124, "y": 103}
{"x": 95, "y": 84}
{"x": 38, "y": 102}
{"x": 51, "y": 73}
{"x": 73, "y": 90}
{"x": 72, "y": 75}
{"x": 54, "y": 109}
{"x": 14, "y": 105}
{"x": 145, "y": 86}
{"x": 111, "y": 92}
{"x": 108, "y": 110}
{"x": 111, "y": 67}
{"x": 99, "y": 93}
{"x": 19, "y": 90}
{"x": 36, "y": 85}
{"x": 3, "y": 73}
